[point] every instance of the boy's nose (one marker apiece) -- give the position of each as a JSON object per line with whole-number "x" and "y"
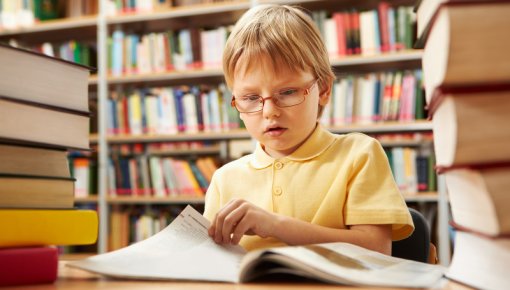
{"x": 269, "y": 109}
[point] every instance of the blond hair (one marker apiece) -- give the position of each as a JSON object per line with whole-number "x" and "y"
{"x": 283, "y": 33}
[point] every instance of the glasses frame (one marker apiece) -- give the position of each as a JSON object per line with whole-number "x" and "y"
{"x": 263, "y": 100}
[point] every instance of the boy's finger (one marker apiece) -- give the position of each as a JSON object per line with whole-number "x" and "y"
{"x": 234, "y": 217}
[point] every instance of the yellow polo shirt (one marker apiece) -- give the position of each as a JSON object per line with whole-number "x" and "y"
{"x": 331, "y": 180}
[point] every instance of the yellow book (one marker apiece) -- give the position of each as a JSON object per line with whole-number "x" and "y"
{"x": 34, "y": 227}
{"x": 191, "y": 177}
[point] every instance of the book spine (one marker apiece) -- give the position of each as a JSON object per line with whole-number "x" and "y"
{"x": 31, "y": 265}
{"x": 47, "y": 227}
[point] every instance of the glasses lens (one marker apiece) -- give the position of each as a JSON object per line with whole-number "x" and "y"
{"x": 248, "y": 104}
{"x": 284, "y": 98}
{"x": 289, "y": 97}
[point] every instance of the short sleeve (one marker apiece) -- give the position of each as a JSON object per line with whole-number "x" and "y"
{"x": 373, "y": 196}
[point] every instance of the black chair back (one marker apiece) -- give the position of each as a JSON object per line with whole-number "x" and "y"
{"x": 416, "y": 247}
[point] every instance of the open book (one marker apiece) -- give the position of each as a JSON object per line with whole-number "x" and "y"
{"x": 184, "y": 251}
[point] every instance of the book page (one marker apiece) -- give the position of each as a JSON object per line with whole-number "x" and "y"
{"x": 343, "y": 263}
{"x": 182, "y": 251}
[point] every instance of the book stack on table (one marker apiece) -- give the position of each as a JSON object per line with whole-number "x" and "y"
{"x": 43, "y": 113}
{"x": 466, "y": 69}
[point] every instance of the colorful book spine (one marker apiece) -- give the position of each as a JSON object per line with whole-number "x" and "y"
{"x": 30, "y": 265}
{"x": 47, "y": 227}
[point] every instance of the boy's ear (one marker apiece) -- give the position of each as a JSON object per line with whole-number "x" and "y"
{"x": 325, "y": 94}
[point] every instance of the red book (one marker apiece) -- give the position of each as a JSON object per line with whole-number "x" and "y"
{"x": 340, "y": 30}
{"x": 383, "y": 26}
{"x": 356, "y": 32}
{"x": 31, "y": 265}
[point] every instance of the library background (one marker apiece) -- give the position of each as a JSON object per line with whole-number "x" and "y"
{"x": 161, "y": 122}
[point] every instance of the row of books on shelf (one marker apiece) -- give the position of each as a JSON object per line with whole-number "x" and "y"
{"x": 387, "y": 29}
{"x": 467, "y": 86}
{"x": 16, "y": 14}
{"x": 36, "y": 188}
{"x": 134, "y": 224}
{"x": 170, "y": 110}
{"x": 413, "y": 169}
{"x": 368, "y": 32}
{"x": 368, "y": 98}
{"x": 374, "y": 97}
{"x": 117, "y": 7}
{"x": 157, "y": 176}
{"x": 165, "y": 51}
{"x": 140, "y": 174}
{"x": 74, "y": 51}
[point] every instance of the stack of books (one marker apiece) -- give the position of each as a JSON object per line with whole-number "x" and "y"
{"x": 466, "y": 69}
{"x": 43, "y": 113}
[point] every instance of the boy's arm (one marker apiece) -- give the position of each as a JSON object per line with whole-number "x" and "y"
{"x": 298, "y": 232}
{"x": 240, "y": 217}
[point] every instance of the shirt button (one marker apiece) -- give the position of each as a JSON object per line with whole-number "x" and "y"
{"x": 278, "y": 165}
{"x": 278, "y": 191}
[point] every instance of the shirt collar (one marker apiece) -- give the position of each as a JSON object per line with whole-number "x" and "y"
{"x": 316, "y": 144}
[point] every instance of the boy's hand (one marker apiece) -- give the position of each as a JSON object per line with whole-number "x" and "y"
{"x": 239, "y": 217}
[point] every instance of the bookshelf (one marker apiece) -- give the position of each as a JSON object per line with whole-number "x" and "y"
{"x": 99, "y": 27}
{"x": 49, "y": 26}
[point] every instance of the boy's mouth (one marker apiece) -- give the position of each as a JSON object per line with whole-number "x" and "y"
{"x": 275, "y": 131}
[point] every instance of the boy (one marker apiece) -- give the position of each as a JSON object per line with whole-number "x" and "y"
{"x": 302, "y": 184}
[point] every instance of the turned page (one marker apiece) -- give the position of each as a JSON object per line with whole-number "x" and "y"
{"x": 183, "y": 250}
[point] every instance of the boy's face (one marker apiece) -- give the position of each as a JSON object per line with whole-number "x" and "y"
{"x": 280, "y": 130}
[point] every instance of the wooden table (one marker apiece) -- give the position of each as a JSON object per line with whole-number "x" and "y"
{"x": 71, "y": 278}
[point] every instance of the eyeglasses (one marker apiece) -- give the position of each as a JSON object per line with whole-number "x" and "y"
{"x": 287, "y": 97}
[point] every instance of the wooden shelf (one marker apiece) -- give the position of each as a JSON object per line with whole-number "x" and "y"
{"x": 356, "y": 60}
{"x": 376, "y": 128}
{"x": 183, "y": 199}
{"x": 185, "y": 11}
{"x": 385, "y": 127}
{"x": 405, "y": 143}
{"x": 192, "y": 74}
{"x": 237, "y": 134}
{"x": 206, "y": 150}
{"x": 164, "y": 76}
{"x": 288, "y": 2}
{"x": 85, "y": 200}
{"x": 422, "y": 197}
{"x": 419, "y": 197}
{"x": 53, "y": 25}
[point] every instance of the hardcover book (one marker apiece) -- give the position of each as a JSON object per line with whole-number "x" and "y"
{"x": 29, "y": 191}
{"x": 35, "y": 227}
{"x": 467, "y": 126}
{"x": 29, "y": 265}
{"x": 46, "y": 80}
{"x": 31, "y": 160}
{"x": 467, "y": 45}
{"x": 480, "y": 262}
{"x": 40, "y": 124}
{"x": 479, "y": 199}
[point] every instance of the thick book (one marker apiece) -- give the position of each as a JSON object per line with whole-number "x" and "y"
{"x": 31, "y": 160}
{"x": 42, "y": 124}
{"x": 479, "y": 198}
{"x": 45, "y": 80}
{"x": 34, "y": 227}
{"x": 30, "y": 191}
{"x": 467, "y": 126}
{"x": 184, "y": 251}
{"x": 28, "y": 265}
{"x": 425, "y": 12}
{"x": 467, "y": 45}
{"x": 480, "y": 262}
